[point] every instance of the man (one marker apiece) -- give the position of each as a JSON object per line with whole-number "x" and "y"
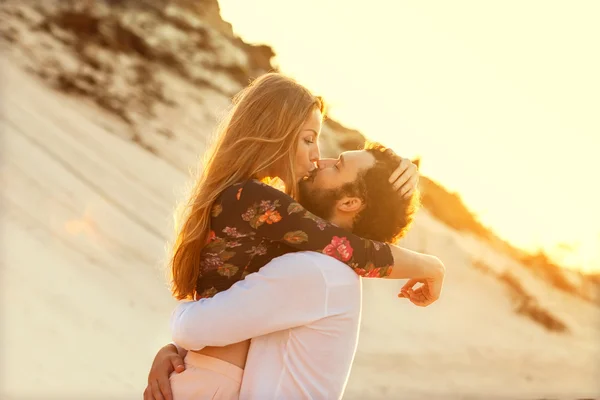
{"x": 302, "y": 310}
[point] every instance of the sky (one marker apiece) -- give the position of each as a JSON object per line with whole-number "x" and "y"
{"x": 500, "y": 99}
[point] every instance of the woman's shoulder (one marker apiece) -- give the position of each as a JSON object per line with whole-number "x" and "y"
{"x": 249, "y": 190}
{"x": 253, "y": 188}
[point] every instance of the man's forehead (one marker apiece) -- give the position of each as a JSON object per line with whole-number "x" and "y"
{"x": 359, "y": 159}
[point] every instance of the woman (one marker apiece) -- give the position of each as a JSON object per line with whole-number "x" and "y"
{"x": 233, "y": 223}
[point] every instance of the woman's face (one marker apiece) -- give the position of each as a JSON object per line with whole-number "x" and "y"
{"x": 307, "y": 152}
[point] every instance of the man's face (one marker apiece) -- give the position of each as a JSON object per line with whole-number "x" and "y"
{"x": 320, "y": 194}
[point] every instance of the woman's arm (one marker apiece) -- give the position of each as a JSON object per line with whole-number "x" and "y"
{"x": 274, "y": 215}
{"x": 410, "y": 264}
{"x": 418, "y": 268}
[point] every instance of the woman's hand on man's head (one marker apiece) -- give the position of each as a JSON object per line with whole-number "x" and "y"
{"x": 405, "y": 178}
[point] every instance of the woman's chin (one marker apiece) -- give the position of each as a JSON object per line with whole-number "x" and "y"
{"x": 302, "y": 176}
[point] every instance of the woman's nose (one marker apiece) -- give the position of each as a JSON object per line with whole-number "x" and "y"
{"x": 326, "y": 162}
{"x": 315, "y": 154}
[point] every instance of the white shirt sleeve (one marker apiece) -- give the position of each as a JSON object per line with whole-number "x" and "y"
{"x": 289, "y": 291}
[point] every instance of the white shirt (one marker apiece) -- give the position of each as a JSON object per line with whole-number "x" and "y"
{"x": 302, "y": 311}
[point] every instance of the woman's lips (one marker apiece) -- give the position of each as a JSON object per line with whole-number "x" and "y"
{"x": 311, "y": 175}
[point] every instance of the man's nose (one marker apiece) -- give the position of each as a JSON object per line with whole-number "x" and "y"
{"x": 326, "y": 162}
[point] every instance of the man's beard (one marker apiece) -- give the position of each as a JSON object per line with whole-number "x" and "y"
{"x": 320, "y": 202}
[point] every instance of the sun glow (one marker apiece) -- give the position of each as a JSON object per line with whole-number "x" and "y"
{"x": 500, "y": 99}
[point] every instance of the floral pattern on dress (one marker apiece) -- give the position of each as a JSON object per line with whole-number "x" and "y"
{"x": 227, "y": 270}
{"x": 210, "y": 262}
{"x": 371, "y": 272}
{"x": 294, "y": 208}
{"x": 259, "y": 250}
{"x": 252, "y": 223}
{"x": 265, "y": 211}
{"x": 339, "y": 248}
{"x": 231, "y": 244}
{"x": 295, "y": 237}
{"x": 320, "y": 222}
{"x": 207, "y": 293}
{"x": 211, "y": 236}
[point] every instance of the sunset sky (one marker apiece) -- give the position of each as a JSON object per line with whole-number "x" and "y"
{"x": 501, "y": 99}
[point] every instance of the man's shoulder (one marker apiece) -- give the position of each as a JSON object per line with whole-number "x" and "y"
{"x": 312, "y": 258}
{"x": 315, "y": 264}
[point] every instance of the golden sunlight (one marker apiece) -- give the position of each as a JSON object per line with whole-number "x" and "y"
{"x": 499, "y": 98}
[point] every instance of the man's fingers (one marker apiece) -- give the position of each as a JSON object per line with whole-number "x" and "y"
{"x": 165, "y": 388}
{"x": 156, "y": 391}
{"x": 178, "y": 365}
{"x": 148, "y": 393}
{"x": 179, "y": 369}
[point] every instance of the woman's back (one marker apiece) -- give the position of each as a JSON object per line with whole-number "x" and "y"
{"x": 252, "y": 223}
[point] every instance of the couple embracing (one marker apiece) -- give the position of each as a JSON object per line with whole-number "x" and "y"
{"x": 269, "y": 275}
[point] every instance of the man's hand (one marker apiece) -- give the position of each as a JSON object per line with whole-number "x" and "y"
{"x": 166, "y": 361}
{"x": 405, "y": 178}
{"x": 428, "y": 292}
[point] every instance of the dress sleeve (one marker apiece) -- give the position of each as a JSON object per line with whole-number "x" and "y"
{"x": 274, "y": 215}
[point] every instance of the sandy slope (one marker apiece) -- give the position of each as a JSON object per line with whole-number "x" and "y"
{"x": 472, "y": 344}
{"x": 85, "y": 218}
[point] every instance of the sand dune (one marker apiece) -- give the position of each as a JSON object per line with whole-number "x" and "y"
{"x": 87, "y": 199}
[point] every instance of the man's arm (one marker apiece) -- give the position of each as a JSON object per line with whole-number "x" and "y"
{"x": 167, "y": 361}
{"x": 289, "y": 291}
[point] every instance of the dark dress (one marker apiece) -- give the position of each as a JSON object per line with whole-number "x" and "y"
{"x": 252, "y": 223}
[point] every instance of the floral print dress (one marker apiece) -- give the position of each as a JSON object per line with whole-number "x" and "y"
{"x": 252, "y": 223}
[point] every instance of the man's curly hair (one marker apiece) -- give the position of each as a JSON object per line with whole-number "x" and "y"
{"x": 386, "y": 216}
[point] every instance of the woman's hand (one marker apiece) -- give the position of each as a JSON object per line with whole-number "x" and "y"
{"x": 167, "y": 361}
{"x": 429, "y": 291}
{"x": 405, "y": 178}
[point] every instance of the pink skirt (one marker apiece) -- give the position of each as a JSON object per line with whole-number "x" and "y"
{"x": 206, "y": 378}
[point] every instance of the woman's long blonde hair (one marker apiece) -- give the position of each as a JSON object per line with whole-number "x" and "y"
{"x": 257, "y": 138}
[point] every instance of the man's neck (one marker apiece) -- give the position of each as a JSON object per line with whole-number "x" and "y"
{"x": 343, "y": 221}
